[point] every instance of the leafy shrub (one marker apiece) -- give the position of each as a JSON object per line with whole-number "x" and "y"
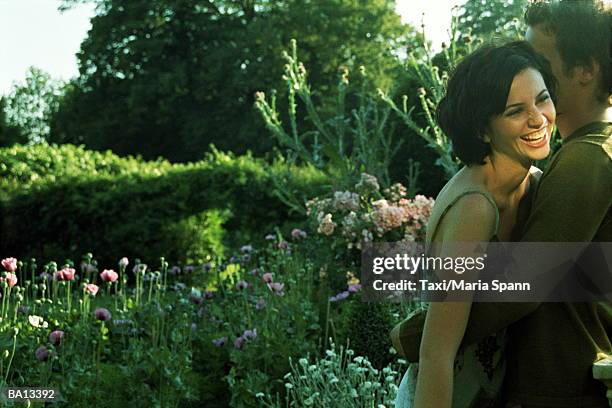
{"x": 23, "y": 166}
{"x": 369, "y": 325}
{"x": 63, "y": 200}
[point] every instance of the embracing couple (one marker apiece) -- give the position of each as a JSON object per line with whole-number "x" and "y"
{"x": 499, "y": 110}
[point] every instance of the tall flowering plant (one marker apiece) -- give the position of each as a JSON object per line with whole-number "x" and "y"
{"x": 368, "y": 214}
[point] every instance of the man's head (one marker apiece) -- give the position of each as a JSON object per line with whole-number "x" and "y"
{"x": 575, "y": 36}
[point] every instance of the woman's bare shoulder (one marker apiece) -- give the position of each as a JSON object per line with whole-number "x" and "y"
{"x": 471, "y": 218}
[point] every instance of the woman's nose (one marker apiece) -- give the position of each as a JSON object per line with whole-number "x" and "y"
{"x": 536, "y": 119}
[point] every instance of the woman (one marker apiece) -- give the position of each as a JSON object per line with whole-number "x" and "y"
{"x": 499, "y": 113}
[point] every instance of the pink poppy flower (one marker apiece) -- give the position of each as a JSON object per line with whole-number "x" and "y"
{"x": 65, "y": 274}
{"x": 10, "y": 264}
{"x": 298, "y": 234}
{"x": 267, "y": 277}
{"x": 91, "y": 289}
{"x": 42, "y": 353}
{"x": 11, "y": 279}
{"x": 261, "y": 304}
{"x": 277, "y": 288}
{"x": 239, "y": 342}
{"x": 108, "y": 275}
{"x": 123, "y": 262}
{"x": 55, "y": 337}
{"x": 102, "y": 314}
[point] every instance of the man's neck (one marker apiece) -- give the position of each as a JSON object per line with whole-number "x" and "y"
{"x": 589, "y": 113}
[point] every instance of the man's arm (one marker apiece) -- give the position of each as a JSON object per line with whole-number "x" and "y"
{"x": 571, "y": 201}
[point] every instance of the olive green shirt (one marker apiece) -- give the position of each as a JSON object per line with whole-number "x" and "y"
{"x": 552, "y": 346}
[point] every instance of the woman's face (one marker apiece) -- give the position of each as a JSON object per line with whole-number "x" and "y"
{"x": 522, "y": 131}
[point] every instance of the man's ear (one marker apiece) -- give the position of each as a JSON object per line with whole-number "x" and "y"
{"x": 588, "y": 73}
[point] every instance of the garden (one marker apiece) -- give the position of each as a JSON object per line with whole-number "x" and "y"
{"x": 182, "y": 224}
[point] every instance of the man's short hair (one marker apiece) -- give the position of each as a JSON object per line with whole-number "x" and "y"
{"x": 583, "y": 33}
{"x": 478, "y": 90}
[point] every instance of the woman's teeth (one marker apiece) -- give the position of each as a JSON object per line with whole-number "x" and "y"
{"x": 534, "y": 137}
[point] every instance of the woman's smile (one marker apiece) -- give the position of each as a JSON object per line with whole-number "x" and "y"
{"x": 537, "y": 139}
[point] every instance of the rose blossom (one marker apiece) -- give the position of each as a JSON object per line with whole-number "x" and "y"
{"x": 326, "y": 226}
{"x": 367, "y": 184}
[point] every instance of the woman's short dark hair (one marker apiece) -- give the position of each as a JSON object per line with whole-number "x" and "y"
{"x": 478, "y": 90}
{"x": 583, "y": 33}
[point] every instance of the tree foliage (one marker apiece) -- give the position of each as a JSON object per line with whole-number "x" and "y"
{"x": 28, "y": 109}
{"x": 169, "y": 77}
{"x": 8, "y": 134}
{"x": 492, "y": 17}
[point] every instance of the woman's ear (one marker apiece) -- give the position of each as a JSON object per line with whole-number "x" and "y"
{"x": 485, "y": 136}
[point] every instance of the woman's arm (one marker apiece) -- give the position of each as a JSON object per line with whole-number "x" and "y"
{"x": 471, "y": 219}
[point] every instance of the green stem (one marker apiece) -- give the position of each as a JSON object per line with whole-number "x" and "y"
{"x": 8, "y": 367}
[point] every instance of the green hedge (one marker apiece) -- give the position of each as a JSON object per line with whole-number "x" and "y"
{"x": 59, "y": 201}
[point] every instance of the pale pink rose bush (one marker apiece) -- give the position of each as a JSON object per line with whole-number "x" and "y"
{"x": 367, "y": 214}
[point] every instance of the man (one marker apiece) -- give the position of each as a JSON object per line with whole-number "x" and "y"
{"x": 552, "y": 346}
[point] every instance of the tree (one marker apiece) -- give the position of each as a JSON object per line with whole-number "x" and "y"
{"x": 29, "y": 107}
{"x": 169, "y": 77}
{"x": 492, "y": 17}
{"x": 8, "y": 134}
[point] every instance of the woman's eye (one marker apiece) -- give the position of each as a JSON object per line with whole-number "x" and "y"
{"x": 513, "y": 112}
{"x": 544, "y": 98}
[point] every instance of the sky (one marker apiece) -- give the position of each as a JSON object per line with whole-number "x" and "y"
{"x": 34, "y": 33}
